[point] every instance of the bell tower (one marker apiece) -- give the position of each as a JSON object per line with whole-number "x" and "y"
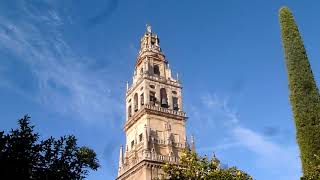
{"x": 155, "y": 120}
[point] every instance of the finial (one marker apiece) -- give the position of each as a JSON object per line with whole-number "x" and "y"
{"x": 193, "y": 146}
{"x": 127, "y": 85}
{"x": 149, "y": 28}
{"x": 121, "y": 156}
{"x": 177, "y": 76}
{"x": 187, "y": 146}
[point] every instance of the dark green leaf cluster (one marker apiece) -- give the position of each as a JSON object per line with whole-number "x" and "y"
{"x": 304, "y": 94}
{"x": 24, "y": 156}
{"x": 194, "y": 167}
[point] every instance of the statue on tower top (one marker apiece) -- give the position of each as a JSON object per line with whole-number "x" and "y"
{"x": 148, "y": 28}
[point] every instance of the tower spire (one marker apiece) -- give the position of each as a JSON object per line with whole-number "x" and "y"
{"x": 149, "y": 43}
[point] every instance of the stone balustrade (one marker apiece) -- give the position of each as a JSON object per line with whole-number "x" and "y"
{"x": 154, "y": 78}
{"x": 162, "y": 79}
{"x": 147, "y": 155}
{"x": 165, "y": 110}
{"x": 154, "y": 108}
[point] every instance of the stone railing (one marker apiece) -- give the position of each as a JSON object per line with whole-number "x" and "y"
{"x": 130, "y": 121}
{"x": 162, "y": 79}
{"x": 129, "y": 164}
{"x": 134, "y": 85}
{"x": 164, "y": 142}
{"x": 154, "y": 78}
{"x": 154, "y": 49}
{"x": 162, "y": 158}
{"x": 165, "y": 110}
{"x": 147, "y": 155}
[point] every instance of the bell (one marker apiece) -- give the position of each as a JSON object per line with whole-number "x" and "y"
{"x": 164, "y": 101}
{"x": 175, "y": 107}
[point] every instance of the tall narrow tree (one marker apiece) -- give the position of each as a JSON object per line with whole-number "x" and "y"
{"x": 304, "y": 94}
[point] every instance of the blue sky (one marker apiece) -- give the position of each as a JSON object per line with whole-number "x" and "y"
{"x": 66, "y": 63}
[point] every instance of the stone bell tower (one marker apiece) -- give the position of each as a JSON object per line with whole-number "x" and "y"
{"x": 155, "y": 121}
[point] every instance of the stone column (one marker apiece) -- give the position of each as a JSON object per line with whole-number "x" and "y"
{"x": 162, "y": 69}
{"x": 169, "y": 96}
{"x": 193, "y": 146}
{"x": 128, "y": 111}
{"x": 151, "y": 66}
{"x": 145, "y": 136}
{"x": 169, "y": 72}
{"x": 146, "y": 93}
{"x": 139, "y": 104}
{"x": 180, "y": 100}
{"x": 158, "y": 93}
{"x": 149, "y": 40}
{"x": 145, "y": 67}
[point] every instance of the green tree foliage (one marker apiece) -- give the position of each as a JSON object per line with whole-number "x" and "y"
{"x": 304, "y": 94}
{"x": 24, "y": 156}
{"x": 194, "y": 167}
{"x": 314, "y": 173}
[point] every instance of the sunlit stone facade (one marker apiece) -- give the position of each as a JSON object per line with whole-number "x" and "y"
{"x": 155, "y": 120}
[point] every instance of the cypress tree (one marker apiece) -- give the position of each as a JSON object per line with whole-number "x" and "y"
{"x": 304, "y": 94}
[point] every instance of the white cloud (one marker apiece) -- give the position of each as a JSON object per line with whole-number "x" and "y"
{"x": 281, "y": 161}
{"x": 67, "y": 83}
{"x": 254, "y": 141}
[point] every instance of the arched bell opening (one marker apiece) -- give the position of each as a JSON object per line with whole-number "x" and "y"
{"x": 156, "y": 70}
{"x": 129, "y": 111}
{"x": 152, "y": 98}
{"x": 163, "y": 98}
{"x": 135, "y": 101}
{"x": 175, "y": 105}
{"x": 141, "y": 99}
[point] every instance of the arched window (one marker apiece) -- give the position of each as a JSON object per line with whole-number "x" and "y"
{"x": 142, "y": 99}
{"x": 156, "y": 70}
{"x": 163, "y": 98}
{"x": 175, "y": 105}
{"x": 129, "y": 111}
{"x": 152, "y": 98}
{"x": 153, "y": 41}
{"x": 135, "y": 102}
